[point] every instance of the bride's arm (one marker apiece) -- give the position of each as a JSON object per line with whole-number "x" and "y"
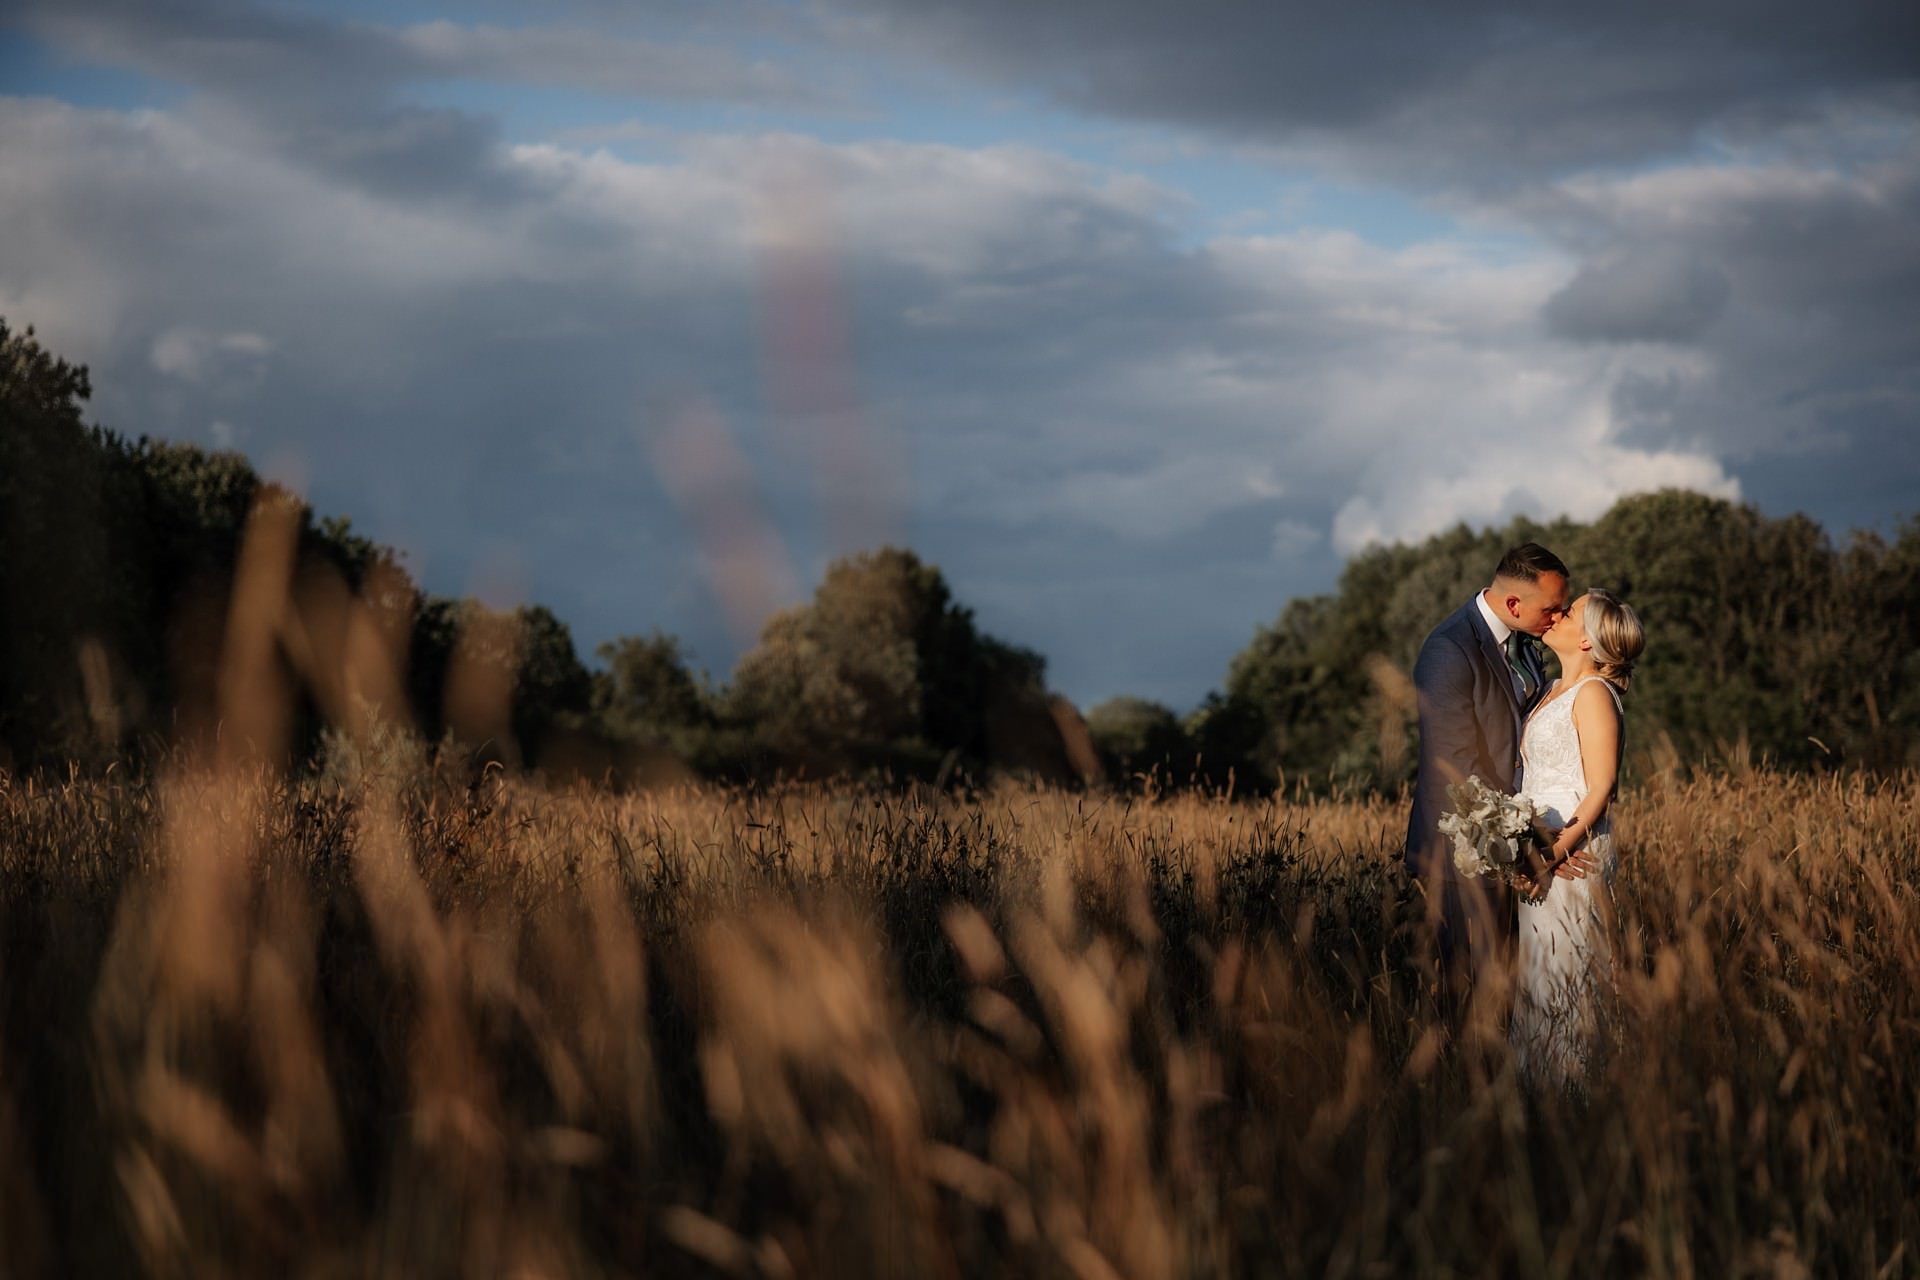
{"x": 1597, "y": 720}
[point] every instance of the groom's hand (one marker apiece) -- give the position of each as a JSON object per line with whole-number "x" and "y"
{"x": 1577, "y": 865}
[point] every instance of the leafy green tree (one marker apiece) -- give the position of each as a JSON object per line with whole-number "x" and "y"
{"x": 116, "y": 563}
{"x": 552, "y": 688}
{"x": 1886, "y": 666}
{"x": 1854, "y": 659}
{"x": 67, "y": 598}
{"x": 1137, "y": 736}
{"x": 1748, "y": 640}
{"x": 1760, "y": 642}
{"x": 1681, "y": 560}
{"x": 1229, "y": 733}
{"x": 883, "y": 667}
{"x": 646, "y": 693}
{"x": 841, "y": 674}
{"x": 496, "y": 681}
{"x": 1765, "y": 640}
{"x": 837, "y": 682}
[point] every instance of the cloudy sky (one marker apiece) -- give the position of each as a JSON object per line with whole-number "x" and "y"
{"x": 1136, "y": 318}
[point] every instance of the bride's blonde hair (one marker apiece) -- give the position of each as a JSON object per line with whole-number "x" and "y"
{"x": 1614, "y": 631}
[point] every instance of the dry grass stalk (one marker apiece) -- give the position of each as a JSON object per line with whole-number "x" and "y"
{"x": 262, "y": 1025}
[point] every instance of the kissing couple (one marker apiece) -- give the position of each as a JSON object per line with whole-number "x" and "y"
{"x": 1488, "y": 710}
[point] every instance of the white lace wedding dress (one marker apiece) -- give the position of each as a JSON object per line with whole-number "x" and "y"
{"x": 1564, "y": 951}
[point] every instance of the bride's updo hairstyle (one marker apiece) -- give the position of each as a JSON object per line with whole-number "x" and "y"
{"x": 1613, "y": 629}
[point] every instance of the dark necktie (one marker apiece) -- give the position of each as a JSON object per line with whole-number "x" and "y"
{"x": 1517, "y": 659}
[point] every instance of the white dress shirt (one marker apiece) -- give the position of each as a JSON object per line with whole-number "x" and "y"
{"x": 1500, "y": 629}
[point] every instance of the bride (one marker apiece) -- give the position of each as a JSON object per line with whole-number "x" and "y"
{"x": 1572, "y": 747}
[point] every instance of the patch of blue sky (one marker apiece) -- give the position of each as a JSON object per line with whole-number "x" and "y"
{"x": 1235, "y": 196}
{"x": 1216, "y": 191}
{"x": 403, "y": 13}
{"x": 1859, "y": 136}
{"x": 849, "y": 109}
{"x": 32, "y": 68}
{"x": 1225, "y": 191}
{"x": 664, "y": 24}
{"x": 586, "y": 119}
{"x": 1229, "y": 192}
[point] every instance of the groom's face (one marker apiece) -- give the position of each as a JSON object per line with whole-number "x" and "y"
{"x": 1532, "y": 607}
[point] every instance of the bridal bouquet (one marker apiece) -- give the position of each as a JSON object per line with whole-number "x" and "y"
{"x": 1493, "y": 833}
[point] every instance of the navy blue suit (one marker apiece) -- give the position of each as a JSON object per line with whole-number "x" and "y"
{"x": 1471, "y": 713}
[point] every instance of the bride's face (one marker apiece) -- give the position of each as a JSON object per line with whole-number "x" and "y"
{"x": 1568, "y": 633}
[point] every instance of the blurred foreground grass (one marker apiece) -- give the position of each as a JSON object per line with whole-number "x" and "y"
{"x": 259, "y": 1027}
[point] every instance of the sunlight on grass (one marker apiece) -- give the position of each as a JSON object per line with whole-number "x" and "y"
{"x": 466, "y": 1025}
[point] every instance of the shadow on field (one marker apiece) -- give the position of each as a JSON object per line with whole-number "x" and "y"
{"x": 411, "y": 1016}
{"x": 255, "y": 1026}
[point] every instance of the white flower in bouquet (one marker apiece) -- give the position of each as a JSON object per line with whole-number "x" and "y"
{"x": 1489, "y": 829}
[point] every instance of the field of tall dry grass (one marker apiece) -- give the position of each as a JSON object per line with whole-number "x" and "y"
{"x": 418, "y": 1027}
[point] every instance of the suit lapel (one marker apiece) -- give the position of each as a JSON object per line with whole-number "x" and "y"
{"x": 1497, "y": 661}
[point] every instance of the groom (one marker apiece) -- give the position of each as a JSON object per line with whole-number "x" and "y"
{"x": 1477, "y": 678}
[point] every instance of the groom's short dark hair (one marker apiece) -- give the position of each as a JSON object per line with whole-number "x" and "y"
{"x": 1526, "y": 562}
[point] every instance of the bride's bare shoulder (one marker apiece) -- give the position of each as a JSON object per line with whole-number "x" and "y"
{"x": 1594, "y": 699}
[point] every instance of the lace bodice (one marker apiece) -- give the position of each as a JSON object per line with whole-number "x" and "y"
{"x": 1550, "y": 748}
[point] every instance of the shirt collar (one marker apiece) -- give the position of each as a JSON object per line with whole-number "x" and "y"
{"x": 1500, "y": 629}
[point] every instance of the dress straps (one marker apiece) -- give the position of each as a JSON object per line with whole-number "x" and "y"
{"x": 1617, "y": 704}
{"x": 1566, "y": 695}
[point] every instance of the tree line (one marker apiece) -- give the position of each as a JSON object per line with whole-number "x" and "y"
{"x": 1766, "y": 643}
{"x": 121, "y": 580}
{"x": 120, "y": 572}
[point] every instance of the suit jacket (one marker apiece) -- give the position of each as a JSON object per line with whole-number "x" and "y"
{"x": 1471, "y": 715}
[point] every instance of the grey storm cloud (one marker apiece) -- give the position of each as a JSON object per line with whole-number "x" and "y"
{"x": 1795, "y": 285}
{"x": 330, "y": 93}
{"x": 1090, "y": 419}
{"x": 1455, "y": 94}
{"x": 1652, "y": 295}
{"x": 1125, "y": 447}
{"x": 592, "y": 60}
{"x": 280, "y": 59}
